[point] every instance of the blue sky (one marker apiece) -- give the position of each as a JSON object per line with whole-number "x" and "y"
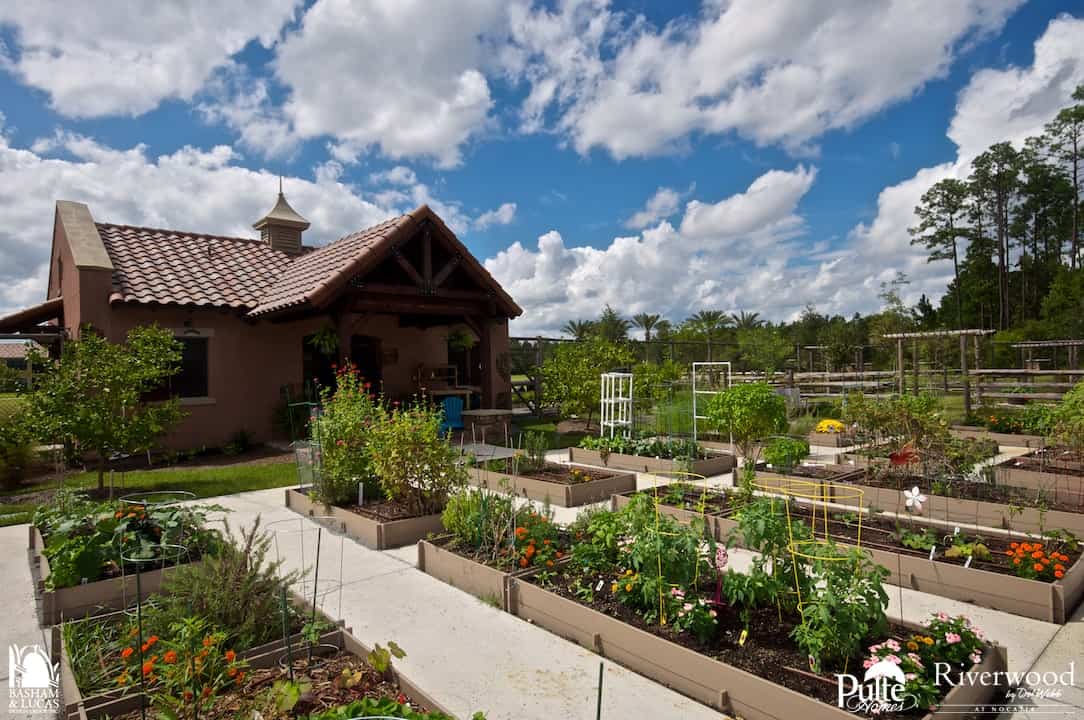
{"x": 790, "y": 142}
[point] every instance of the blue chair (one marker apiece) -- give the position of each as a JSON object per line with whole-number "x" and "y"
{"x": 453, "y": 414}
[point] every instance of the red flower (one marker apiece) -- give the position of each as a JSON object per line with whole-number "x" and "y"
{"x": 401, "y": 699}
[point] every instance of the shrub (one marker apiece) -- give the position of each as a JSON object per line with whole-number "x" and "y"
{"x": 784, "y": 453}
{"x": 749, "y": 412}
{"x": 1069, "y": 418}
{"x": 343, "y": 430}
{"x": 16, "y": 449}
{"x": 415, "y": 465}
{"x": 238, "y": 591}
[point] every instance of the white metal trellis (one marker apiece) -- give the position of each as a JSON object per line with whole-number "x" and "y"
{"x": 616, "y": 414}
{"x": 711, "y": 368}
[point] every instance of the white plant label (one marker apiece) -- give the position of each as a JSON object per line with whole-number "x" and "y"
{"x": 956, "y": 531}
{"x": 969, "y": 559}
{"x": 599, "y": 586}
{"x": 933, "y": 551}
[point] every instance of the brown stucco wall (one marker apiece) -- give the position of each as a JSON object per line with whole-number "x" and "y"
{"x": 410, "y": 347}
{"x": 248, "y": 363}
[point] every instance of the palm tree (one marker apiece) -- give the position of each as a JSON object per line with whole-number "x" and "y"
{"x": 611, "y": 326}
{"x": 746, "y": 321}
{"x": 578, "y": 329}
{"x": 646, "y": 322}
{"x": 709, "y": 322}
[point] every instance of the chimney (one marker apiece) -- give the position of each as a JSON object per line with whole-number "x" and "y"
{"x": 282, "y": 227}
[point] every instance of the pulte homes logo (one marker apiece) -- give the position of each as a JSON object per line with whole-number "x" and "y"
{"x": 32, "y": 681}
{"x": 882, "y": 690}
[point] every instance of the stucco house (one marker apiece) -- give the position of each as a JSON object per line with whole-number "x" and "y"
{"x": 262, "y": 317}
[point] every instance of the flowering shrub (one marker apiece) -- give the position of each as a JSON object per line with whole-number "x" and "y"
{"x": 828, "y": 425}
{"x": 944, "y": 639}
{"x": 343, "y": 427}
{"x": 537, "y": 541}
{"x": 414, "y": 463}
{"x": 1035, "y": 562}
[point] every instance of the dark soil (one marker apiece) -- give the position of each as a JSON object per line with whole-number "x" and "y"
{"x": 970, "y": 490}
{"x": 768, "y": 651}
{"x": 327, "y": 688}
{"x": 714, "y": 502}
{"x": 813, "y": 472}
{"x": 884, "y": 534}
{"x": 551, "y": 472}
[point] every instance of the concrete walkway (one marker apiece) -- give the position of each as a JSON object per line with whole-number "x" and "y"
{"x": 19, "y": 620}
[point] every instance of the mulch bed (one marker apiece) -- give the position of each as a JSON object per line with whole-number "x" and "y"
{"x": 385, "y": 510}
{"x": 328, "y": 688}
{"x": 691, "y": 498}
{"x": 1053, "y": 460}
{"x": 550, "y": 472}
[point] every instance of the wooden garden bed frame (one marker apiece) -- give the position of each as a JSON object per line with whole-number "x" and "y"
{"x": 709, "y": 681}
{"x": 482, "y": 581}
{"x": 564, "y": 495}
{"x": 832, "y": 439}
{"x": 375, "y": 534}
{"x": 93, "y": 598}
{"x": 113, "y": 703}
{"x": 1053, "y": 480}
{"x": 708, "y": 467}
{"x": 1049, "y": 601}
{"x": 1002, "y": 439}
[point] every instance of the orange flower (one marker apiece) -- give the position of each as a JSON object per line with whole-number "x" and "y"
{"x": 122, "y": 679}
{"x": 230, "y": 656}
{"x": 232, "y": 672}
{"x": 187, "y": 695}
{"x": 240, "y": 677}
{"x": 523, "y": 562}
{"x": 207, "y": 641}
{"x": 127, "y": 652}
{"x": 1014, "y": 545}
{"x": 1059, "y": 574}
{"x": 206, "y": 692}
{"x": 1016, "y": 561}
{"x": 546, "y": 541}
{"x": 148, "y": 667}
{"x": 1038, "y": 567}
{"x": 521, "y": 532}
{"x": 1059, "y": 566}
{"x": 560, "y": 554}
{"x": 118, "y": 514}
{"x": 1009, "y": 553}
{"x": 1037, "y": 554}
{"x": 549, "y": 563}
{"x": 152, "y": 639}
{"x": 170, "y": 657}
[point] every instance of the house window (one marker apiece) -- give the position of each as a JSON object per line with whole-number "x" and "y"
{"x": 191, "y": 381}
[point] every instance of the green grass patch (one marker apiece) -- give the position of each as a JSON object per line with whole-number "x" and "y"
{"x": 204, "y": 482}
{"x": 548, "y": 427}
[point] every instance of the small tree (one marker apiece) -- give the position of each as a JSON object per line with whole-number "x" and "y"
{"x": 572, "y": 377}
{"x": 96, "y": 396}
{"x": 1069, "y": 418}
{"x": 749, "y": 413}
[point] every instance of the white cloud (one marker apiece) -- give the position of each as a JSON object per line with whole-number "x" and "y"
{"x": 398, "y": 175}
{"x": 662, "y": 204}
{"x": 772, "y": 71}
{"x": 402, "y": 75}
{"x": 708, "y": 263}
{"x": 190, "y": 189}
{"x": 116, "y": 58}
{"x": 503, "y": 215}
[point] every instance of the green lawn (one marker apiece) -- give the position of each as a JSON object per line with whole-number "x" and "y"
{"x": 554, "y": 439}
{"x": 204, "y": 482}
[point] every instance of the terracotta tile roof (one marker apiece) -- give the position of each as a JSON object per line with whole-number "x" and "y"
{"x": 18, "y": 350}
{"x": 310, "y": 274}
{"x": 181, "y": 268}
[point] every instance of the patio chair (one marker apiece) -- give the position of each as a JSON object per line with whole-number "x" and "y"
{"x": 453, "y": 415}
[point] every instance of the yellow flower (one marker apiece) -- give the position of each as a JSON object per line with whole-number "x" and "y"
{"x": 829, "y": 426}
{"x": 628, "y": 587}
{"x": 613, "y": 588}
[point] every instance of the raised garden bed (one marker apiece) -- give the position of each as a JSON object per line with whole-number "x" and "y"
{"x": 101, "y": 596}
{"x": 832, "y": 439}
{"x": 485, "y": 582}
{"x": 1010, "y": 508}
{"x": 371, "y": 531}
{"x": 686, "y": 508}
{"x": 719, "y": 464}
{"x": 335, "y": 645}
{"x": 716, "y": 683}
{"x": 1057, "y": 473}
{"x": 563, "y": 485}
{"x": 812, "y": 472}
{"x": 989, "y": 584}
{"x": 1002, "y": 439}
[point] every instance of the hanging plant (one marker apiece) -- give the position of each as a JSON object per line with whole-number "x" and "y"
{"x": 325, "y": 340}
{"x": 460, "y": 339}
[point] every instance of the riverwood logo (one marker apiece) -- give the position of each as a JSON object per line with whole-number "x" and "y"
{"x": 32, "y": 681}
{"x": 880, "y": 691}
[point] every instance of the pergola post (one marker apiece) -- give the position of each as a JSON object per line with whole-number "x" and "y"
{"x": 963, "y": 371}
{"x": 900, "y": 379}
{"x": 914, "y": 365}
{"x": 977, "y": 344}
{"x": 538, "y": 360}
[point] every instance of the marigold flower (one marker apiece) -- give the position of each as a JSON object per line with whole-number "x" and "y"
{"x": 148, "y": 667}
{"x": 1037, "y": 554}
{"x": 628, "y": 587}
{"x": 232, "y": 672}
{"x": 1059, "y": 566}
{"x": 560, "y": 554}
{"x": 170, "y": 657}
{"x": 127, "y": 652}
{"x": 613, "y": 587}
{"x": 546, "y": 541}
{"x": 1016, "y": 561}
{"x": 549, "y": 563}
{"x": 1009, "y": 552}
{"x": 523, "y": 562}
{"x": 1059, "y": 574}
{"x": 207, "y": 641}
{"x": 1014, "y": 545}
{"x": 122, "y": 679}
{"x": 1038, "y": 567}
{"x": 240, "y": 677}
{"x": 187, "y": 695}
{"x": 230, "y": 656}
{"x": 206, "y": 692}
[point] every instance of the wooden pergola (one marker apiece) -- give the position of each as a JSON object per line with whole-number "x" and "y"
{"x": 1028, "y": 346}
{"x": 975, "y": 333}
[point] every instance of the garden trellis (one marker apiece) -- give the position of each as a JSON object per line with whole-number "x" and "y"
{"x": 711, "y": 372}
{"x": 617, "y": 407}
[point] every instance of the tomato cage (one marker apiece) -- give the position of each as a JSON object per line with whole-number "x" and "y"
{"x": 675, "y": 480}
{"x": 810, "y": 501}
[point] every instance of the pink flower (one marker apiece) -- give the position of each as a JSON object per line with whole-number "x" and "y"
{"x": 952, "y": 638}
{"x": 892, "y": 645}
{"x": 874, "y": 648}
{"x": 868, "y": 663}
{"x": 910, "y": 676}
{"x": 677, "y": 592}
{"x": 721, "y": 558}
{"x": 976, "y": 657}
{"x": 915, "y": 659}
{"x": 687, "y": 607}
{"x": 942, "y": 617}
{"x": 894, "y": 659}
{"x": 713, "y": 613}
